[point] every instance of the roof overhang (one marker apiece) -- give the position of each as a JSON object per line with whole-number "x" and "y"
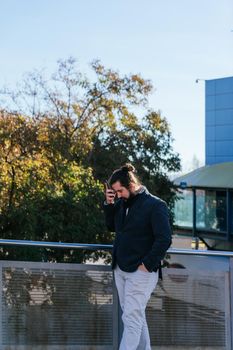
{"x": 209, "y": 176}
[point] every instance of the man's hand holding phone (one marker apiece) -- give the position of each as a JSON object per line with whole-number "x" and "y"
{"x": 109, "y": 193}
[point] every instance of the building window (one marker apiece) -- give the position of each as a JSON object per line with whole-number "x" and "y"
{"x": 211, "y": 210}
{"x": 183, "y": 211}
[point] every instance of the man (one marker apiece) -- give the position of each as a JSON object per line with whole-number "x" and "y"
{"x": 143, "y": 235}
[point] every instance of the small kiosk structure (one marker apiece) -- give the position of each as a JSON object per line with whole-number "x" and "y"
{"x": 205, "y": 206}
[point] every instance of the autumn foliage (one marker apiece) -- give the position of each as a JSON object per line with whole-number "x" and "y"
{"x": 60, "y": 138}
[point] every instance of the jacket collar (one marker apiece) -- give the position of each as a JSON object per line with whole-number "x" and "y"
{"x": 137, "y": 202}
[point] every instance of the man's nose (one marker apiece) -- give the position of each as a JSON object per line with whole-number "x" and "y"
{"x": 119, "y": 195}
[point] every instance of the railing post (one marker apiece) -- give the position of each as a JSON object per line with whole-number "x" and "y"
{"x": 117, "y": 323}
{"x": 231, "y": 301}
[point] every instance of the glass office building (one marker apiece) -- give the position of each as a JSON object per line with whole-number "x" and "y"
{"x": 219, "y": 120}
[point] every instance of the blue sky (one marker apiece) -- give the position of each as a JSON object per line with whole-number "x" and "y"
{"x": 171, "y": 42}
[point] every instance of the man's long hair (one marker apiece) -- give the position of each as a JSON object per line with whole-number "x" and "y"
{"x": 125, "y": 175}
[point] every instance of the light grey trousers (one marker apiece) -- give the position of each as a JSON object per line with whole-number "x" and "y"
{"x": 134, "y": 291}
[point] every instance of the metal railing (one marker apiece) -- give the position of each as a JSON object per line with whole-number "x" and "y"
{"x": 45, "y": 244}
{"x": 108, "y": 247}
{"x": 75, "y": 306}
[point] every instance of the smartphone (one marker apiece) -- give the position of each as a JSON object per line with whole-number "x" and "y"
{"x": 107, "y": 186}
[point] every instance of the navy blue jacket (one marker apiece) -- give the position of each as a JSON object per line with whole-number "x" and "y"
{"x": 142, "y": 236}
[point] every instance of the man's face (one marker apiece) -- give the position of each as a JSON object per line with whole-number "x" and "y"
{"x": 120, "y": 190}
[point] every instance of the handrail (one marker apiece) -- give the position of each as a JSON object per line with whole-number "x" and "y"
{"x": 221, "y": 253}
{"x": 12, "y": 242}
{"x": 45, "y": 244}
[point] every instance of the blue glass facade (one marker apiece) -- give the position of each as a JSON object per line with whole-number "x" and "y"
{"x": 219, "y": 120}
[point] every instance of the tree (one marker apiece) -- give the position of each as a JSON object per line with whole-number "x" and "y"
{"x": 62, "y": 137}
{"x": 77, "y": 108}
{"x": 44, "y": 198}
{"x": 147, "y": 144}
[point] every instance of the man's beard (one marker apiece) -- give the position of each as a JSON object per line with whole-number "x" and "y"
{"x": 131, "y": 195}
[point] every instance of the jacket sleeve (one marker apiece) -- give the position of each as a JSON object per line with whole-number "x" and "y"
{"x": 162, "y": 236}
{"x": 109, "y": 213}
